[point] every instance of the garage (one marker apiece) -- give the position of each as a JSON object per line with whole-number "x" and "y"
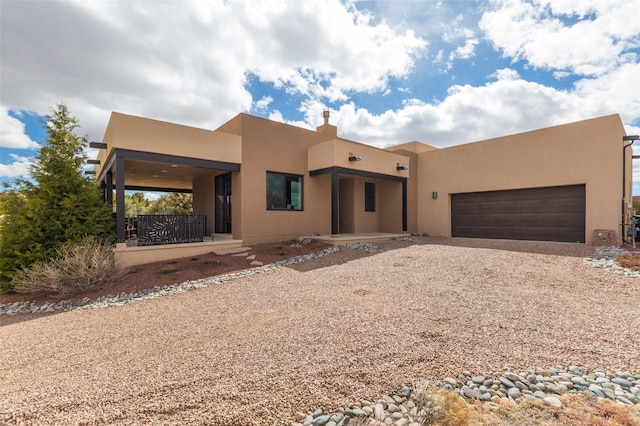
{"x": 539, "y": 214}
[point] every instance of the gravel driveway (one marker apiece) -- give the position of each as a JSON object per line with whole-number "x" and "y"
{"x": 258, "y": 349}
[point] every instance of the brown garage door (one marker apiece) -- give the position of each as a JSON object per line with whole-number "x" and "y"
{"x": 540, "y": 214}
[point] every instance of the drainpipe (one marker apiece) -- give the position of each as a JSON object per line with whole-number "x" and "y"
{"x": 631, "y": 139}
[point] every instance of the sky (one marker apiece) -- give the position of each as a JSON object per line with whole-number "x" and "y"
{"x": 436, "y": 71}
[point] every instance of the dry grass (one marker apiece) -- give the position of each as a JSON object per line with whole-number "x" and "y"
{"x": 632, "y": 262}
{"x": 576, "y": 410}
{"x": 443, "y": 408}
{"x": 78, "y": 267}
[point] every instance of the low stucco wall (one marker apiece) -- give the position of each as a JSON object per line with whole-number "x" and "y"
{"x": 127, "y": 257}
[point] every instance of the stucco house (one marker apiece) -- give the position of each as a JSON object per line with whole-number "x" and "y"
{"x": 254, "y": 180}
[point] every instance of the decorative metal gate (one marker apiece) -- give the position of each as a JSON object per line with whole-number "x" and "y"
{"x": 161, "y": 229}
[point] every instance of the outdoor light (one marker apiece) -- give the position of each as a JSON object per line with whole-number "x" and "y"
{"x": 434, "y": 195}
{"x": 353, "y": 157}
{"x": 399, "y": 167}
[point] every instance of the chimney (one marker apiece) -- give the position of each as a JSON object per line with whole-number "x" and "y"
{"x": 329, "y": 131}
{"x": 325, "y": 114}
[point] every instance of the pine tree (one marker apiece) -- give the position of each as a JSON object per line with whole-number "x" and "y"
{"x": 60, "y": 205}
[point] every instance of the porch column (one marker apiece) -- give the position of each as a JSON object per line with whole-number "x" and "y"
{"x": 120, "y": 225}
{"x": 404, "y": 205}
{"x": 335, "y": 217}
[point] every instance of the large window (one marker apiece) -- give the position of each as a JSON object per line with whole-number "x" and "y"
{"x": 369, "y": 197}
{"x": 284, "y": 192}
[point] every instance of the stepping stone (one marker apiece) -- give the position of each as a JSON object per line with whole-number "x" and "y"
{"x": 252, "y": 257}
{"x": 223, "y": 252}
{"x": 256, "y": 263}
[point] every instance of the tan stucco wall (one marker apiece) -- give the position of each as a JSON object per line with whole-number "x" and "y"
{"x": 127, "y": 257}
{"x": 336, "y": 152}
{"x": 204, "y": 200}
{"x": 160, "y": 137}
{"x": 390, "y": 216}
{"x": 346, "y": 205}
{"x": 586, "y": 152}
{"x": 276, "y": 147}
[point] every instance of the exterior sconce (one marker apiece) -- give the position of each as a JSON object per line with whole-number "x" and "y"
{"x": 399, "y": 167}
{"x": 353, "y": 157}
{"x": 434, "y": 195}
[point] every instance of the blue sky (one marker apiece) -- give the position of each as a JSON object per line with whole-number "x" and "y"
{"x": 441, "y": 72}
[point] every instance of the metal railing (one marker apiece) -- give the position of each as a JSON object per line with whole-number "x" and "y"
{"x": 159, "y": 229}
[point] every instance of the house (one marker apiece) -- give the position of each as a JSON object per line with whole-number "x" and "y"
{"x": 254, "y": 180}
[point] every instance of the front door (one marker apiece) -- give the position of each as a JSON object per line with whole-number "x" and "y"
{"x": 223, "y": 204}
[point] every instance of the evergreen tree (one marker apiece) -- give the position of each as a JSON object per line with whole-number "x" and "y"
{"x": 59, "y": 206}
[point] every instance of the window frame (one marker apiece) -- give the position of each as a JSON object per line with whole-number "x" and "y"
{"x": 286, "y": 195}
{"x": 369, "y": 197}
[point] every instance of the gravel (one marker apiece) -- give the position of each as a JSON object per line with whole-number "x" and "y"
{"x": 260, "y": 348}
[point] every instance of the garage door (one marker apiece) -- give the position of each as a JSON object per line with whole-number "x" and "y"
{"x": 540, "y": 214}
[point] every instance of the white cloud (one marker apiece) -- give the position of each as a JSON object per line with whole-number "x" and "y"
{"x": 534, "y": 31}
{"x": 263, "y": 103}
{"x": 189, "y": 62}
{"x": 12, "y": 133}
{"x": 18, "y": 169}
{"x": 505, "y": 106}
{"x": 464, "y": 52}
{"x": 151, "y": 196}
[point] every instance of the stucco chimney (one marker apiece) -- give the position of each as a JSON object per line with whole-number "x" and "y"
{"x": 327, "y": 129}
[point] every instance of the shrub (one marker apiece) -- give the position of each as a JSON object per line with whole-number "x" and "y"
{"x": 76, "y": 268}
{"x": 632, "y": 262}
{"x": 443, "y": 408}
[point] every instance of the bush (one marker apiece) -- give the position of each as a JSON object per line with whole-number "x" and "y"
{"x": 631, "y": 261}
{"x": 76, "y": 268}
{"x": 442, "y": 408}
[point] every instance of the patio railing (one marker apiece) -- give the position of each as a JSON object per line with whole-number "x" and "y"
{"x": 159, "y": 229}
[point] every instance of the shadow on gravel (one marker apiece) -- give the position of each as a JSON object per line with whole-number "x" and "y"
{"x": 537, "y": 247}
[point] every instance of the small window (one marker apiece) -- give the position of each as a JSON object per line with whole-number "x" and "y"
{"x": 369, "y": 197}
{"x": 284, "y": 192}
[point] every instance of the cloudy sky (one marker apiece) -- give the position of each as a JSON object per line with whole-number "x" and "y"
{"x": 441, "y": 72}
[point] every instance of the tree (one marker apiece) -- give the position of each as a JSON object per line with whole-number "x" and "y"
{"x": 58, "y": 206}
{"x": 172, "y": 203}
{"x": 135, "y": 204}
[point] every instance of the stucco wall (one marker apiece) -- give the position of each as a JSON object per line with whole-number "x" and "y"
{"x": 336, "y": 152}
{"x": 588, "y": 152}
{"x": 204, "y": 202}
{"x": 390, "y": 216}
{"x": 346, "y": 205}
{"x": 275, "y": 147}
{"x": 160, "y": 137}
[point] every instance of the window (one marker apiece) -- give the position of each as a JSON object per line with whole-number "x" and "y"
{"x": 369, "y": 197}
{"x": 284, "y": 192}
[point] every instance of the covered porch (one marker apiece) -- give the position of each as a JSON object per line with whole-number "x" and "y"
{"x": 208, "y": 181}
{"x": 368, "y": 186}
